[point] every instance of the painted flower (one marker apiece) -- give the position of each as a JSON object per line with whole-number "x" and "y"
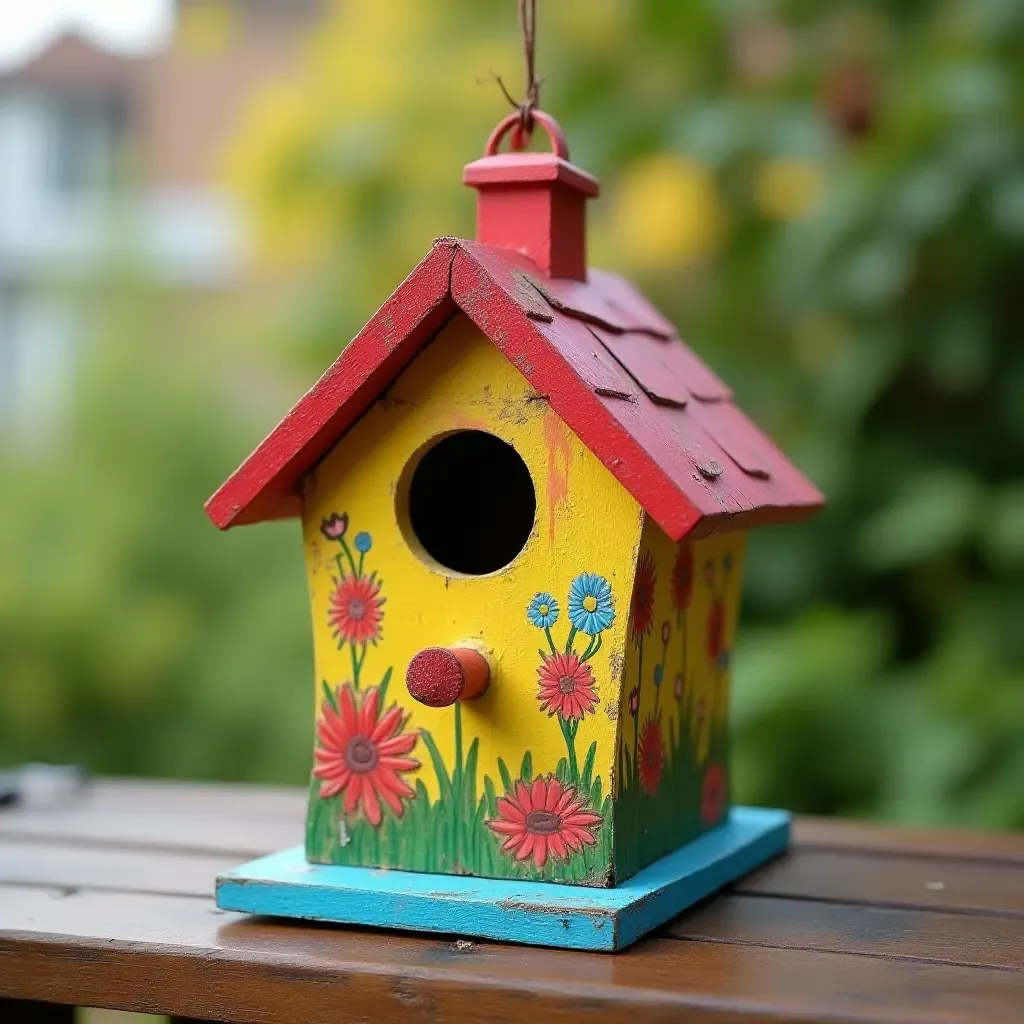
{"x": 716, "y": 631}
{"x": 544, "y": 819}
{"x": 634, "y": 701}
{"x": 334, "y": 526}
{"x": 363, "y": 542}
{"x": 677, "y": 686}
{"x": 642, "y": 610}
{"x": 666, "y": 632}
{"x": 362, "y": 756}
{"x": 566, "y": 686}
{"x": 713, "y": 794}
{"x": 356, "y": 610}
{"x": 650, "y": 755}
{"x": 659, "y": 673}
{"x": 591, "y": 607}
{"x": 727, "y": 561}
{"x": 709, "y": 573}
{"x": 542, "y": 611}
{"x": 682, "y": 577}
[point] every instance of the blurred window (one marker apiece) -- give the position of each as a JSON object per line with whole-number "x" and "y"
{"x": 82, "y": 140}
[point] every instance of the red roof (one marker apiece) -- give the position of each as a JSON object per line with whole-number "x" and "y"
{"x": 606, "y": 360}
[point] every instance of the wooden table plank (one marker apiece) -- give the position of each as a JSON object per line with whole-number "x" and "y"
{"x": 240, "y": 821}
{"x": 860, "y": 922}
{"x": 873, "y": 837}
{"x": 919, "y": 935}
{"x": 833, "y": 876}
{"x": 887, "y": 880}
{"x": 247, "y": 821}
{"x": 994, "y": 941}
{"x": 167, "y": 954}
{"x": 116, "y": 868}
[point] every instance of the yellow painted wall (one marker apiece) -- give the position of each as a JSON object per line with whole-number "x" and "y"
{"x": 586, "y": 522}
{"x": 681, "y": 725}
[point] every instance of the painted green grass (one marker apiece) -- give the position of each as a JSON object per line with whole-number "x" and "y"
{"x": 450, "y": 835}
{"x": 648, "y": 827}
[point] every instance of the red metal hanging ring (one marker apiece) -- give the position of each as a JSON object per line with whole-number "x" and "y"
{"x": 521, "y": 139}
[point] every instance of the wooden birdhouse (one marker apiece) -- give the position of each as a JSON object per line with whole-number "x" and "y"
{"x": 525, "y": 504}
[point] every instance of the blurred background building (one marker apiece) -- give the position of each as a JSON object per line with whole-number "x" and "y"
{"x": 101, "y": 150}
{"x": 828, "y": 198}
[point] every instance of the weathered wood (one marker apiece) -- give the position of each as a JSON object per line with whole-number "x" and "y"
{"x": 503, "y": 909}
{"x": 995, "y": 940}
{"x": 647, "y": 446}
{"x": 876, "y": 837}
{"x": 23, "y": 1011}
{"x": 264, "y": 486}
{"x": 160, "y": 954}
{"x": 231, "y": 823}
{"x": 834, "y": 934}
{"x": 926, "y": 936}
{"x": 534, "y": 202}
{"x": 901, "y": 881}
{"x": 170, "y": 873}
{"x": 238, "y": 821}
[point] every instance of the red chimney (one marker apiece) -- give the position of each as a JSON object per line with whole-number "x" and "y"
{"x": 533, "y": 202}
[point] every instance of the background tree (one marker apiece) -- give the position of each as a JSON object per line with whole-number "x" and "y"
{"x": 827, "y": 198}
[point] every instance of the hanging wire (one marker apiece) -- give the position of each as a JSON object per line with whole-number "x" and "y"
{"x": 528, "y": 26}
{"x": 531, "y": 98}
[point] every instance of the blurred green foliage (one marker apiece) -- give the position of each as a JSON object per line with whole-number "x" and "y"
{"x": 134, "y": 637}
{"x": 827, "y": 198}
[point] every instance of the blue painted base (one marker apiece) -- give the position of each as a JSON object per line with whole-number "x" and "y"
{"x": 538, "y": 913}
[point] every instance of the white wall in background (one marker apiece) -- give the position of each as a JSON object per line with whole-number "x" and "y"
{"x": 127, "y": 26}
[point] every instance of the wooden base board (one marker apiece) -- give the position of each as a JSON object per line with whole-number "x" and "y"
{"x": 537, "y": 913}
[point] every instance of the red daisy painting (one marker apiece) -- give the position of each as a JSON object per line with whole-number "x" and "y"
{"x": 713, "y": 794}
{"x": 543, "y": 819}
{"x": 566, "y": 686}
{"x": 643, "y": 597}
{"x": 682, "y": 578}
{"x": 362, "y": 756}
{"x": 716, "y": 631}
{"x": 356, "y": 610}
{"x": 651, "y": 755}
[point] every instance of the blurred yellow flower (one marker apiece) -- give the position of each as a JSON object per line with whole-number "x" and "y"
{"x": 667, "y": 211}
{"x": 787, "y": 189}
{"x": 385, "y": 96}
{"x": 286, "y": 227}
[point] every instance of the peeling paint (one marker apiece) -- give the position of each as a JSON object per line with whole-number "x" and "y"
{"x": 615, "y": 662}
{"x": 559, "y": 455}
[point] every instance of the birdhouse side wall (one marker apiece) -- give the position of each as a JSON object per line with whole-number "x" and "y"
{"x": 516, "y": 783}
{"x": 673, "y": 764}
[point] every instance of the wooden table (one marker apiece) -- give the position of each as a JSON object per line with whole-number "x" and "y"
{"x": 107, "y": 902}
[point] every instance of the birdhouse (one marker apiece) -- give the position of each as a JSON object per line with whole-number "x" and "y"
{"x": 525, "y": 504}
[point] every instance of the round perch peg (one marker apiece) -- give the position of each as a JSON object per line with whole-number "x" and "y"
{"x": 439, "y": 676}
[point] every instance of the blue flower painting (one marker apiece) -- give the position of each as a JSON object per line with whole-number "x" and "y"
{"x": 591, "y": 608}
{"x": 542, "y": 611}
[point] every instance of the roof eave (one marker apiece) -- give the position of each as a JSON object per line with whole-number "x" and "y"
{"x": 265, "y": 485}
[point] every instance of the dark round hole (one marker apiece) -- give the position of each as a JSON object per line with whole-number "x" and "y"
{"x": 472, "y": 503}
